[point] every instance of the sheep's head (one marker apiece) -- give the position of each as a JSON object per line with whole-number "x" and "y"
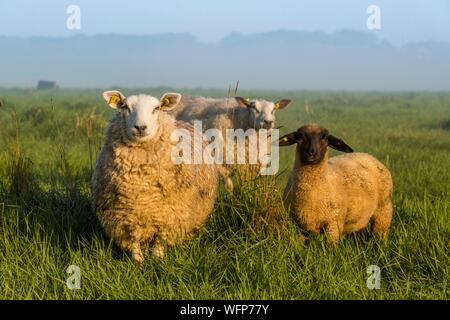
{"x": 262, "y": 112}
{"x": 312, "y": 141}
{"x": 140, "y": 113}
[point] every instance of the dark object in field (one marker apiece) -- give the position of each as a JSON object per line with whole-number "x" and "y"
{"x": 46, "y": 85}
{"x": 444, "y": 124}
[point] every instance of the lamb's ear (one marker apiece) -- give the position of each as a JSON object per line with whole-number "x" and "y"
{"x": 282, "y": 104}
{"x": 242, "y": 102}
{"x": 169, "y": 101}
{"x": 113, "y": 98}
{"x": 338, "y": 144}
{"x": 287, "y": 139}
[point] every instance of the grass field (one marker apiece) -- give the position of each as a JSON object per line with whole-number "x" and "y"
{"x": 249, "y": 248}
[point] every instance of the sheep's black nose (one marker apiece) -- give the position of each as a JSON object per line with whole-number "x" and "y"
{"x": 140, "y": 128}
{"x": 311, "y": 152}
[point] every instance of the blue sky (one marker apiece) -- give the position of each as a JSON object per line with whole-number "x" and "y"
{"x": 401, "y": 21}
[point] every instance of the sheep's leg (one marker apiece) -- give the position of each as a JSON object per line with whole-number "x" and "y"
{"x": 381, "y": 220}
{"x": 225, "y": 176}
{"x": 303, "y": 238}
{"x": 333, "y": 232}
{"x": 127, "y": 241}
{"x": 136, "y": 254}
{"x": 158, "y": 249}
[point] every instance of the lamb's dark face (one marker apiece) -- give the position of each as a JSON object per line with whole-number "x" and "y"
{"x": 312, "y": 143}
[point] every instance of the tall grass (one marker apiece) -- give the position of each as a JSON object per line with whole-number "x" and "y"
{"x": 250, "y": 248}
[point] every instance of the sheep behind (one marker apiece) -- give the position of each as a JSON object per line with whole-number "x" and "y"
{"x": 233, "y": 113}
{"x": 230, "y": 113}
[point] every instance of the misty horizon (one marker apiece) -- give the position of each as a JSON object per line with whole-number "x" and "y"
{"x": 273, "y": 60}
{"x": 282, "y": 45}
{"x": 212, "y": 42}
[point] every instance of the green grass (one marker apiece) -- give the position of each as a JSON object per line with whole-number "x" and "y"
{"x": 249, "y": 249}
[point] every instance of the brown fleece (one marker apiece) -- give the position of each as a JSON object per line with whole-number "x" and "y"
{"x": 340, "y": 195}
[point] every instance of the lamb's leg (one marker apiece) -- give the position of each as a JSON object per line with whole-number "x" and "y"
{"x": 381, "y": 220}
{"x": 136, "y": 254}
{"x": 158, "y": 249}
{"x": 303, "y": 238}
{"x": 127, "y": 240}
{"x": 333, "y": 232}
{"x": 225, "y": 176}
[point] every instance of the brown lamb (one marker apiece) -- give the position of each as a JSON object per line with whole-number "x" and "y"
{"x": 339, "y": 195}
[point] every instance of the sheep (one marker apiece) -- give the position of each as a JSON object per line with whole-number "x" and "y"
{"x": 232, "y": 113}
{"x": 139, "y": 194}
{"x": 340, "y": 195}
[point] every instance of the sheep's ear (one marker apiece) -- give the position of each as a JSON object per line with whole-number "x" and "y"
{"x": 169, "y": 101}
{"x": 287, "y": 139}
{"x": 338, "y": 144}
{"x": 113, "y": 98}
{"x": 282, "y": 104}
{"x": 242, "y": 102}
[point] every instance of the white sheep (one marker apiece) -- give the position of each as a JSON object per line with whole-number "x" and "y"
{"x": 233, "y": 113}
{"x": 342, "y": 194}
{"x": 139, "y": 194}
